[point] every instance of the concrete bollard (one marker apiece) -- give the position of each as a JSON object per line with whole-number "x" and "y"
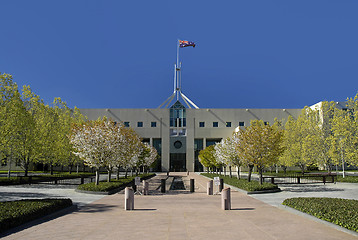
{"x": 221, "y": 186}
{"x": 145, "y": 187}
{"x": 226, "y": 199}
{"x": 192, "y": 185}
{"x": 210, "y": 187}
{"x": 128, "y": 199}
{"x": 162, "y": 186}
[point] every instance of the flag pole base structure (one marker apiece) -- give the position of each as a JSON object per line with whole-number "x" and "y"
{"x": 128, "y": 199}
{"x": 226, "y": 199}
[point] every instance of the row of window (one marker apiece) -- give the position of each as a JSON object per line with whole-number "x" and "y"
{"x": 183, "y": 124}
{"x": 216, "y": 124}
{"x": 140, "y": 124}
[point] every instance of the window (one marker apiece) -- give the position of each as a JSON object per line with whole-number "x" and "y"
{"x": 201, "y": 124}
{"x": 126, "y": 124}
{"x": 153, "y": 124}
{"x": 215, "y": 124}
{"x": 228, "y": 124}
{"x": 241, "y": 124}
{"x": 177, "y": 115}
{"x": 139, "y": 124}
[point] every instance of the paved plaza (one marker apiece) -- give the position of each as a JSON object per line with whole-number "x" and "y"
{"x": 182, "y": 215}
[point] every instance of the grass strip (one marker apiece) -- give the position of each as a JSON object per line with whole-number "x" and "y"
{"x": 243, "y": 183}
{"x": 15, "y": 213}
{"x": 343, "y": 212}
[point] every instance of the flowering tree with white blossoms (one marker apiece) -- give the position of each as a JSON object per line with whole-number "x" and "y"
{"x": 226, "y": 153}
{"x": 128, "y": 156}
{"x": 97, "y": 143}
{"x": 148, "y": 156}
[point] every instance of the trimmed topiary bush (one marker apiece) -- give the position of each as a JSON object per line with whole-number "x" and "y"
{"x": 343, "y": 212}
{"x": 15, "y": 213}
{"x": 243, "y": 183}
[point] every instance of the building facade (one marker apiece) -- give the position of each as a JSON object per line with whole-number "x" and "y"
{"x": 179, "y": 133}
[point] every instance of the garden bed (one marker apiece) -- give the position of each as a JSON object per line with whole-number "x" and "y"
{"x": 15, "y": 213}
{"x": 343, "y": 212}
{"x": 251, "y": 187}
{"x": 111, "y": 187}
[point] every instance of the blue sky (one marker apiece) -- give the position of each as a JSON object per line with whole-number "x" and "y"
{"x": 121, "y": 54}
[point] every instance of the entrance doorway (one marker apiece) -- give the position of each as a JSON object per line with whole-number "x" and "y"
{"x": 177, "y": 162}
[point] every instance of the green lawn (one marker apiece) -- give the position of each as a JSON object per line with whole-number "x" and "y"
{"x": 343, "y": 212}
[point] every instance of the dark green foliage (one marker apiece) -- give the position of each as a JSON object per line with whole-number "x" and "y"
{"x": 350, "y": 179}
{"x": 114, "y": 184}
{"x": 15, "y": 213}
{"x": 343, "y": 212}
{"x": 243, "y": 183}
{"x": 41, "y": 178}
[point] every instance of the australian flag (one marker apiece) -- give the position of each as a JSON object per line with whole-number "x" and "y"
{"x": 183, "y": 43}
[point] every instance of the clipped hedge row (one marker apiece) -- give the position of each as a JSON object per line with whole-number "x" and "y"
{"x": 343, "y": 212}
{"x": 15, "y": 213}
{"x": 243, "y": 183}
{"x": 104, "y": 186}
{"x": 349, "y": 179}
{"x": 40, "y": 178}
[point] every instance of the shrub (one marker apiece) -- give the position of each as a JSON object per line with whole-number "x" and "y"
{"x": 104, "y": 186}
{"x": 343, "y": 212}
{"x": 350, "y": 179}
{"x": 243, "y": 183}
{"x": 15, "y": 213}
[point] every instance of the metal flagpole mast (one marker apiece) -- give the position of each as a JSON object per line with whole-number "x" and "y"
{"x": 177, "y": 69}
{"x": 177, "y": 80}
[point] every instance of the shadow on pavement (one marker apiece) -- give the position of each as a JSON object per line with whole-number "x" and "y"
{"x": 92, "y": 208}
{"x": 243, "y": 209}
{"x": 11, "y": 196}
{"x": 310, "y": 188}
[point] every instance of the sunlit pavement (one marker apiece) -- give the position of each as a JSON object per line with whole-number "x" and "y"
{"x": 181, "y": 215}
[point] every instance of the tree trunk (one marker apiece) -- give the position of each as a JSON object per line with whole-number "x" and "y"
{"x": 238, "y": 172}
{"x": 117, "y": 175}
{"x": 70, "y": 168}
{"x": 225, "y": 171}
{"x": 207, "y": 170}
{"x": 230, "y": 172}
{"x": 109, "y": 174}
{"x": 250, "y": 172}
{"x": 260, "y": 174}
{"x": 51, "y": 169}
{"x": 284, "y": 169}
{"x": 126, "y": 175}
{"x": 97, "y": 176}
{"x": 26, "y": 168}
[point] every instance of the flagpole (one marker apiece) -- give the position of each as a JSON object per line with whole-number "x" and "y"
{"x": 177, "y": 69}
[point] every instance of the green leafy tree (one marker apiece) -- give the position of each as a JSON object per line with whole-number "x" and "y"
{"x": 260, "y": 145}
{"x": 207, "y": 158}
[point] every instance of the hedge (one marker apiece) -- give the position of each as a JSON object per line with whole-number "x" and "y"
{"x": 40, "y": 178}
{"x": 343, "y": 212}
{"x": 15, "y": 213}
{"x": 104, "y": 186}
{"x": 243, "y": 183}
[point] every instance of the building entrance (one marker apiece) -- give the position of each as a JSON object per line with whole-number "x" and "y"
{"x": 177, "y": 162}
